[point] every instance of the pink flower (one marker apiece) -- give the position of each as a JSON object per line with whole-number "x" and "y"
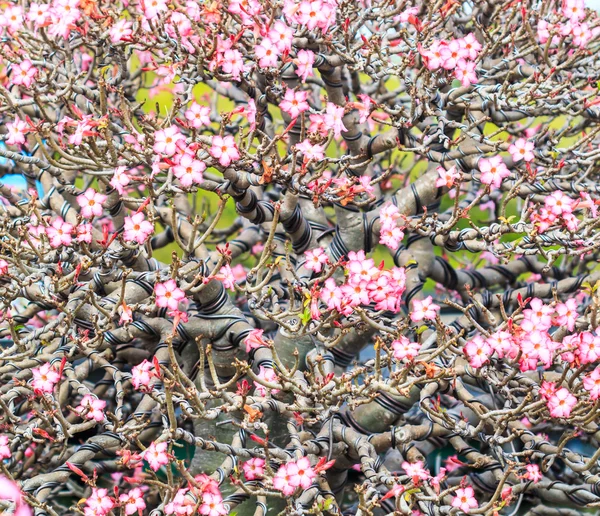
{"x": 333, "y": 119}
{"x": 493, "y": 171}
{"x": 189, "y": 170}
{"x": 44, "y": 378}
{"x": 133, "y": 501}
{"x": 3, "y": 267}
{"x": 478, "y": 351}
{"x": 168, "y": 294}
{"x": 281, "y": 35}
{"x": 5, "y": 452}
{"x": 533, "y": 473}
{"x": 447, "y": 177}
{"x": 224, "y": 149}
{"x": 574, "y": 10}
{"x": 311, "y": 152}
{"x": 180, "y": 505}
{"x": 166, "y": 140}
{"x": 559, "y": 203}
{"x": 232, "y": 63}
{"x": 315, "y": 259}
{"x": 23, "y": 73}
{"x": 267, "y": 375}
{"x": 119, "y": 180}
{"x": 9, "y": 490}
{"x": 59, "y": 233}
{"x": 226, "y": 275}
{"x": 522, "y": 150}
{"x": 198, "y": 115}
{"x": 267, "y": 53}
{"x": 301, "y": 473}
{"x": 254, "y": 468}
{"x": 416, "y": 471}
{"x": 84, "y": 233}
{"x": 464, "y": 499}
{"x": 16, "y": 132}
{"x": 471, "y": 46}
{"x": 566, "y": 314}
{"x": 92, "y": 407}
{"x": 591, "y": 382}
{"x": 99, "y": 503}
{"x": 91, "y": 203}
{"x": 212, "y": 505}
{"x": 465, "y": 72}
{"x": 254, "y": 340}
{"x": 547, "y": 390}
{"x": 142, "y": 374}
{"x": 156, "y": 455}
{"x": 294, "y": 102}
{"x": 304, "y": 63}
{"x": 282, "y": 481}
{"x": 404, "y": 349}
{"x": 137, "y": 228}
{"x": 561, "y": 403}
{"x": 425, "y": 309}
{"x": 121, "y": 31}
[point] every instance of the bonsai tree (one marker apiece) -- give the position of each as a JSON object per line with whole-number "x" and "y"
{"x": 300, "y": 257}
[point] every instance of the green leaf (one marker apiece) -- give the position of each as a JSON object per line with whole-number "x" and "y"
{"x": 305, "y": 316}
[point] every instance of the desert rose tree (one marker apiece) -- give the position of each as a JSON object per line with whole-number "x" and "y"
{"x": 301, "y": 257}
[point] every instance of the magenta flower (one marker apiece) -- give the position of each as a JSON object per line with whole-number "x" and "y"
{"x": 5, "y": 452}
{"x": 23, "y": 73}
{"x": 254, "y": 340}
{"x": 166, "y": 140}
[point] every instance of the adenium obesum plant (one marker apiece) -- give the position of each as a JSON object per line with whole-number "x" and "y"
{"x": 285, "y": 256}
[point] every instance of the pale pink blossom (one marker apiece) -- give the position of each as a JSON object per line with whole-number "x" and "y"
{"x": 23, "y": 73}
{"x": 404, "y": 349}
{"x": 142, "y": 374}
{"x": 561, "y": 403}
{"x": 156, "y": 455}
{"x": 294, "y": 102}
{"x": 493, "y": 171}
{"x": 224, "y": 149}
{"x": 424, "y": 310}
{"x": 254, "y": 468}
{"x": 254, "y": 340}
{"x": 91, "y": 203}
{"x": 522, "y": 150}
{"x": 166, "y": 141}
{"x": 133, "y": 501}
{"x": 137, "y": 228}
{"x": 92, "y": 408}
{"x": 59, "y": 233}
{"x": 168, "y": 294}
{"x": 198, "y": 115}
{"x": 316, "y": 259}
{"x": 464, "y": 499}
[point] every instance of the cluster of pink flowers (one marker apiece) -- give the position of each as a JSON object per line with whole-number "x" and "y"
{"x": 211, "y": 499}
{"x": 456, "y": 55}
{"x": 365, "y": 284}
{"x": 558, "y": 209}
{"x": 99, "y": 503}
{"x": 311, "y": 14}
{"x": 530, "y": 340}
{"x": 391, "y": 233}
{"x": 293, "y": 475}
{"x": 571, "y": 25}
{"x": 560, "y": 401}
